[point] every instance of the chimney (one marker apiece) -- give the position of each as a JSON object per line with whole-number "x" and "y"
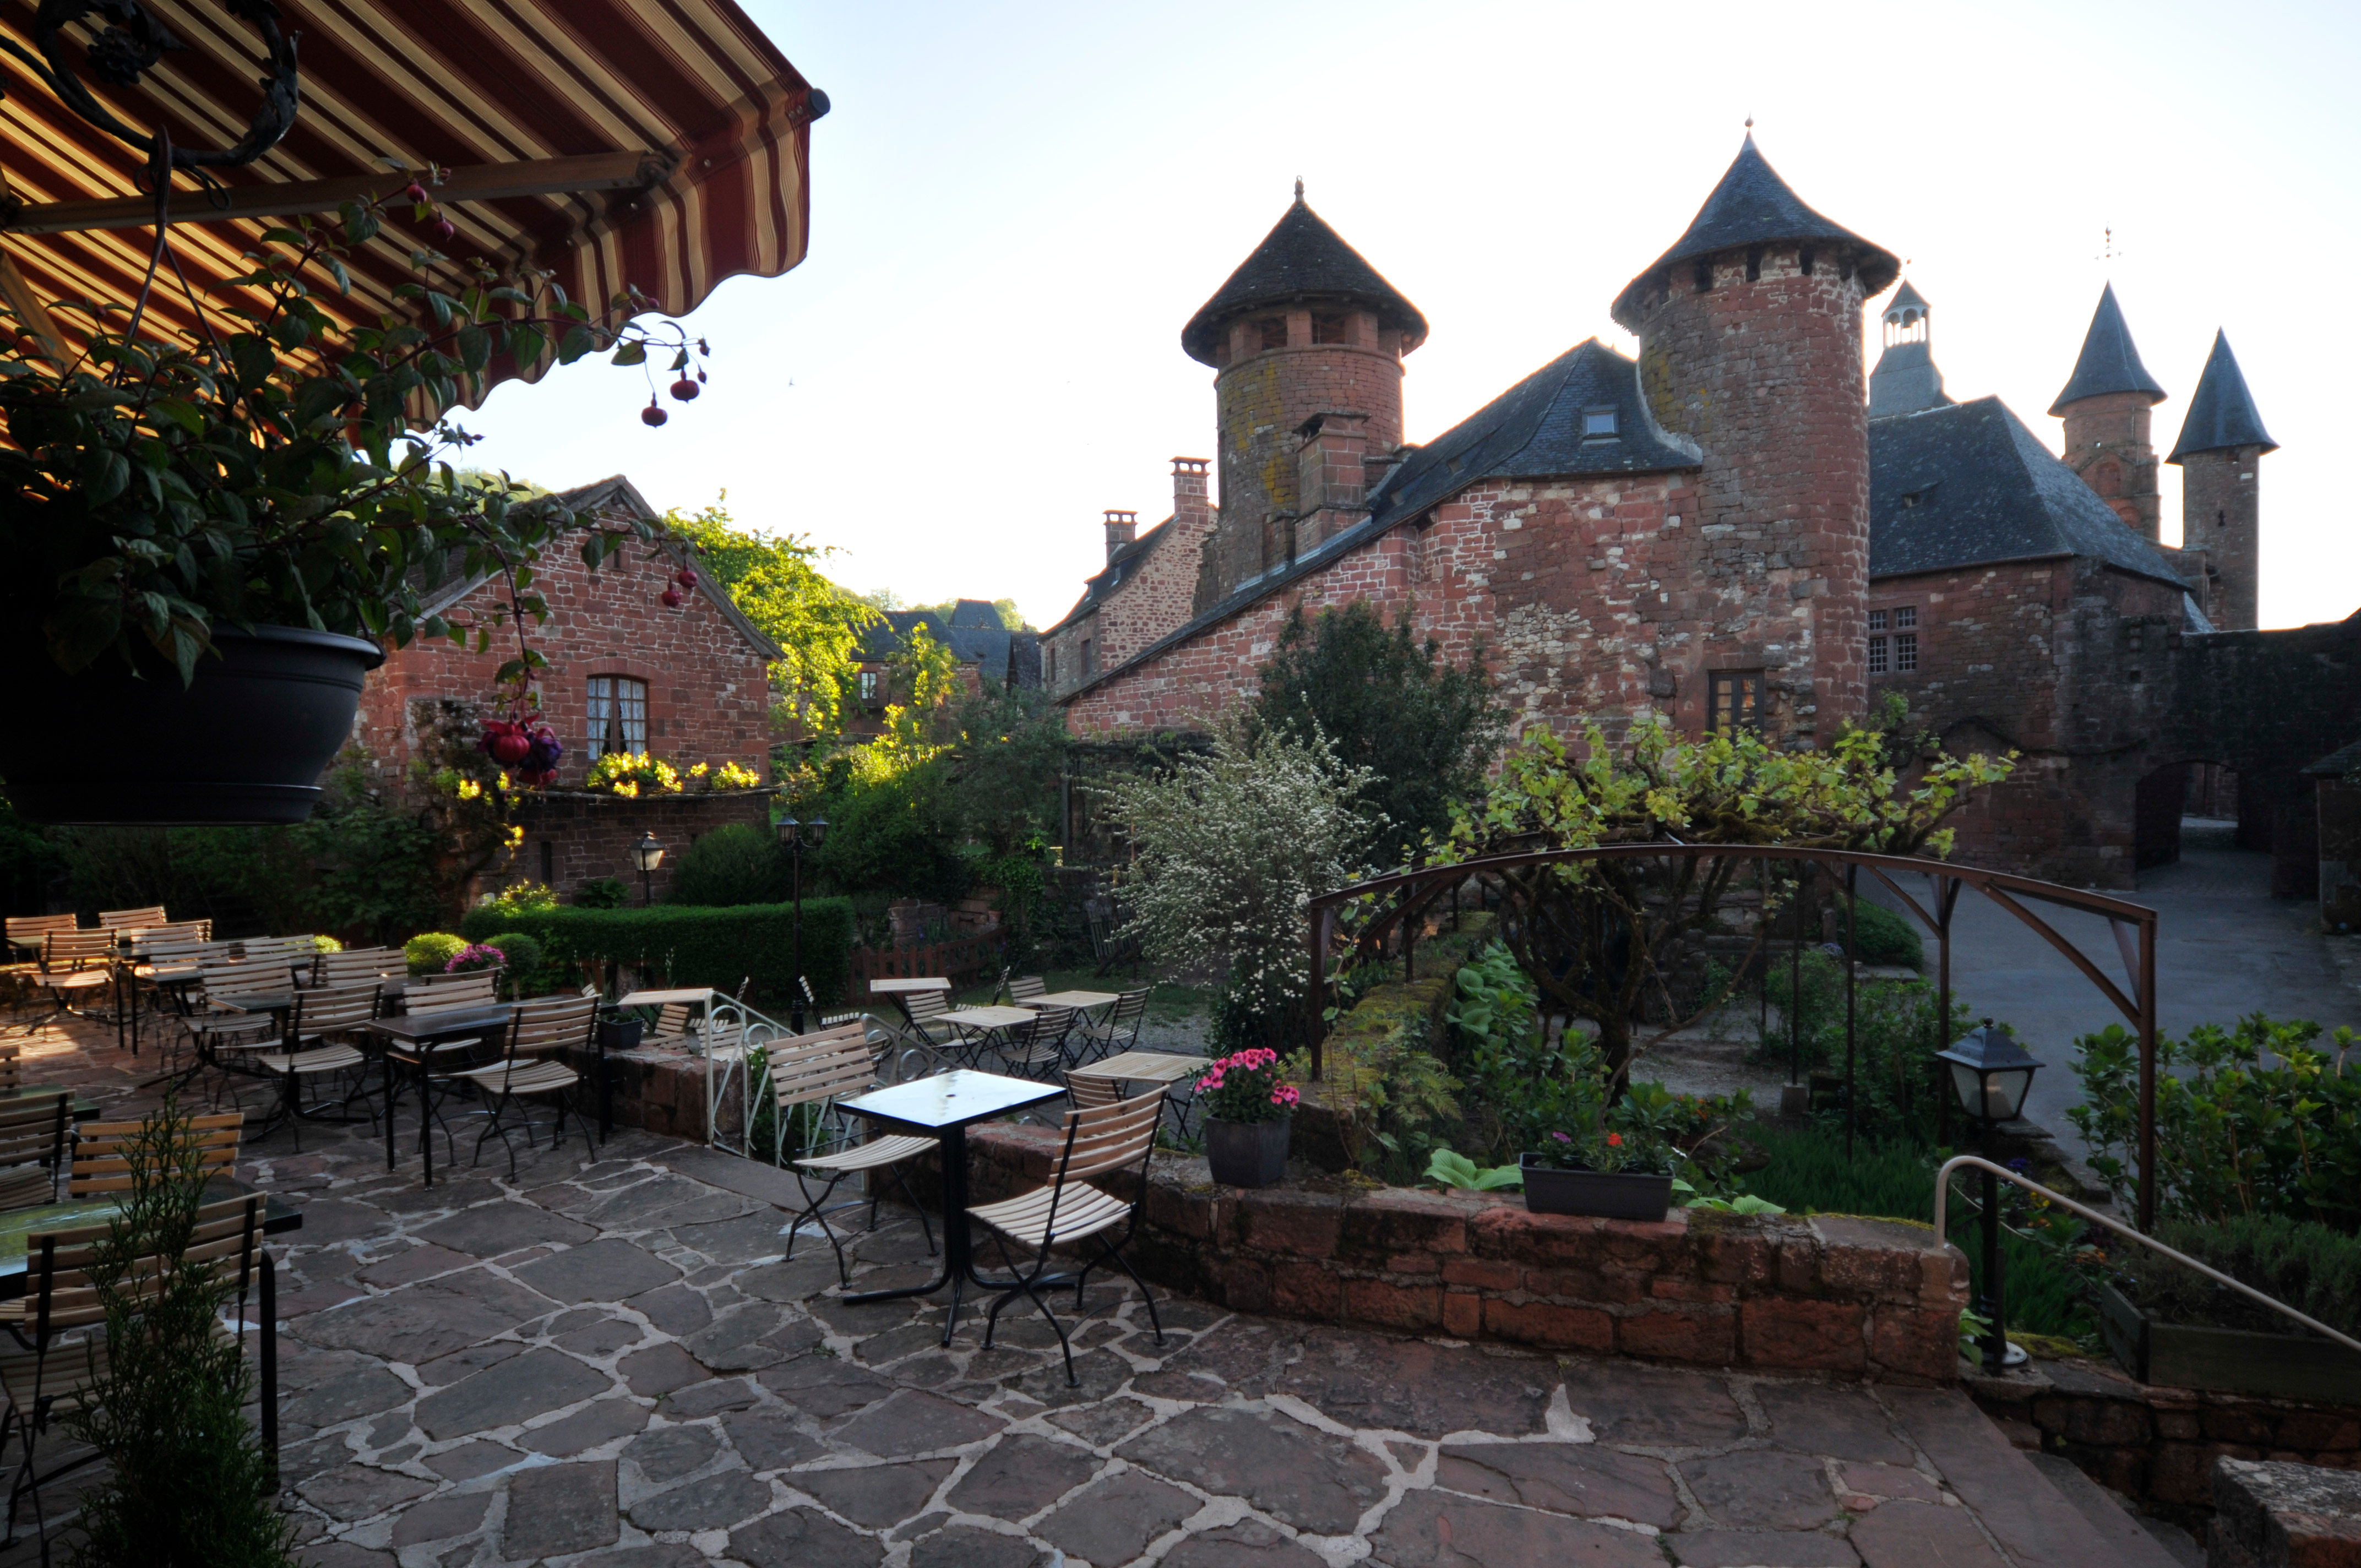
{"x": 1121, "y": 528}
{"x": 1332, "y": 475}
{"x": 1191, "y": 502}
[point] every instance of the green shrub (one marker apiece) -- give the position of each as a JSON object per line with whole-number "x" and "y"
{"x": 521, "y": 898}
{"x": 327, "y": 944}
{"x": 688, "y": 946}
{"x": 899, "y": 835}
{"x": 737, "y": 864}
{"x": 1895, "y": 1041}
{"x": 523, "y": 956}
{"x": 603, "y": 893}
{"x": 1881, "y": 937}
{"x": 2312, "y": 1267}
{"x": 427, "y": 952}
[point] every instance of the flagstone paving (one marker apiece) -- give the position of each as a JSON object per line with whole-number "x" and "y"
{"x": 609, "y": 1360}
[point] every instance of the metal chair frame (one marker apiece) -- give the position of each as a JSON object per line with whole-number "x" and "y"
{"x": 819, "y": 1069}
{"x": 540, "y": 1028}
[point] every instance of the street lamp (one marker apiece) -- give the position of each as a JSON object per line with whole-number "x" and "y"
{"x": 796, "y": 838}
{"x": 1991, "y": 1075}
{"x": 647, "y": 854}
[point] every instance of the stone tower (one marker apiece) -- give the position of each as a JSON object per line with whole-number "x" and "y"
{"x": 1308, "y": 341}
{"x": 1906, "y": 379}
{"x": 1750, "y": 347}
{"x": 2220, "y": 453}
{"x": 2105, "y": 406}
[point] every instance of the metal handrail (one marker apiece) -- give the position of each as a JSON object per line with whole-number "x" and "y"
{"x": 1943, "y": 1194}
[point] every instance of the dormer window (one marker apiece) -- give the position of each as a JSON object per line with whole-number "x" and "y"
{"x": 1598, "y": 424}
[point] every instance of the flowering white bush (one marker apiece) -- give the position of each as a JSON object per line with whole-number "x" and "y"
{"x": 1231, "y": 848}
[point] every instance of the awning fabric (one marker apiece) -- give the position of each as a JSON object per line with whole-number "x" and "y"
{"x": 684, "y": 132}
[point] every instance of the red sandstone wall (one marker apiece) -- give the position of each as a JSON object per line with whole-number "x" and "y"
{"x": 2107, "y": 443}
{"x": 2221, "y": 514}
{"x": 708, "y": 692}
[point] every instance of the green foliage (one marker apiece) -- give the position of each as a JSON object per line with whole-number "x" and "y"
{"x": 429, "y": 951}
{"x": 1424, "y": 729}
{"x": 603, "y": 892}
{"x": 327, "y": 944}
{"x": 374, "y": 860}
{"x": 1894, "y": 1041}
{"x": 523, "y": 956}
{"x": 896, "y": 832}
{"x": 2310, "y": 1266}
{"x": 1007, "y": 761}
{"x": 690, "y": 946}
{"x": 1519, "y": 1087}
{"x": 1881, "y": 937}
{"x": 521, "y": 898}
{"x": 1386, "y": 1091}
{"x": 2250, "y": 1120}
{"x": 735, "y": 863}
{"x": 1449, "y": 1170}
{"x": 187, "y": 1479}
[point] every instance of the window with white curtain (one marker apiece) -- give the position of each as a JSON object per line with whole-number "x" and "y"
{"x": 619, "y": 716}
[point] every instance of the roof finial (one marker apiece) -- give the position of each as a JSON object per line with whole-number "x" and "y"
{"x": 2108, "y": 249}
{"x": 1299, "y": 187}
{"x": 1749, "y": 122}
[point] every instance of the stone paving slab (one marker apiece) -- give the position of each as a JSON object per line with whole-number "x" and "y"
{"x": 609, "y": 1362}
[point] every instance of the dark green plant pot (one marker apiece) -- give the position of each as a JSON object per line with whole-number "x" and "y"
{"x": 1247, "y": 1153}
{"x": 1607, "y": 1194}
{"x": 245, "y": 744}
{"x": 2292, "y": 1365}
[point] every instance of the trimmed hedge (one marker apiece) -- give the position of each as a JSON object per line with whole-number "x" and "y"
{"x": 690, "y": 945}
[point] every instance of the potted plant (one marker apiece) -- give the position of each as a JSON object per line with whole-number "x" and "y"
{"x": 1249, "y": 1115}
{"x": 1601, "y": 1172}
{"x": 211, "y": 540}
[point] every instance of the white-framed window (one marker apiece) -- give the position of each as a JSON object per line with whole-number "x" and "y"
{"x": 619, "y": 716}
{"x": 1894, "y": 640}
{"x": 1597, "y": 422}
{"x": 868, "y": 685}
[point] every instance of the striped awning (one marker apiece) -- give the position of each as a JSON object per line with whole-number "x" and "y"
{"x": 661, "y": 144}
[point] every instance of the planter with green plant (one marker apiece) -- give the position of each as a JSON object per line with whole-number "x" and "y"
{"x": 2172, "y": 1326}
{"x": 1249, "y": 1116}
{"x": 1599, "y": 1172}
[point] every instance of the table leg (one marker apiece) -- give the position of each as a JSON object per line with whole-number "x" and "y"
{"x": 952, "y": 1142}
{"x": 392, "y": 1097}
{"x": 425, "y": 1123}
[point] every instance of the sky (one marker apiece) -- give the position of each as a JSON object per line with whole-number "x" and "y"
{"x": 1015, "y": 207}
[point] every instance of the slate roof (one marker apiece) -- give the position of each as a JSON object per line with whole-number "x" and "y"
{"x": 2223, "y": 412}
{"x": 1301, "y": 258}
{"x": 1533, "y": 430}
{"x": 2109, "y": 362}
{"x": 1752, "y": 206}
{"x": 1128, "y": 559}
{"x": 1905, "y": 381}
{"x": 974, "y": 635}
{"x": 2337, "y": 763}
{"x": 1907, "y": 298}
{"x": 1968, "y": 485}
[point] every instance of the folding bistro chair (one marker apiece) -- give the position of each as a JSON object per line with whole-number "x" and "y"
{"x": 26, "y": 931}
{"x": 122, "y": 919}
{"x": 1038, "y": 1049}
{"x": 225, "y": 1014}
{"x": 75, "y": 967}
{"x": 101, "y": 1166}
{"x": 62, "y": 1363}
{"x": 476, "y": 988}
{"x": 538, "y": 1031}
{"x": 26, "y": 935}
{"x": 36, "y": 1144}
{"x": 818, "y": 1070}
{"x": 403, "y": 1063}
{"x": 322, "y": 1027}
{"x": 1099, "y": 1139}
{"x": 1120, "y": 1033}
{"x": 357, "y": 966}
{"x": 285, "y": 955}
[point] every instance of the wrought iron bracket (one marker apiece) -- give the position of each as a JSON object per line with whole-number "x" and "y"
{"x": 127, "y": 41}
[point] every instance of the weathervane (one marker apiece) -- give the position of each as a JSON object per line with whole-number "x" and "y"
{"x": 2108, "y": 249}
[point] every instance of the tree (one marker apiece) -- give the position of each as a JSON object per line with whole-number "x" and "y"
{"x": 1604, "y": 940}
{"x": 1426, "y": 729}
{"x": 1007, "y": 760}
{"x": 818, "y": 626}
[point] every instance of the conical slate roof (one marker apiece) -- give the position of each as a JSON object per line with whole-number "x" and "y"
{"x": 2109, "y": 363}
{"x": 1905, "y": 298}
{"x": 2222, "y": 411}
{"x": 1301, "y": 258}
{"x": 1753, "y": 206}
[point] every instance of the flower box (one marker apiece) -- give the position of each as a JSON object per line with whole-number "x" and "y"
{"x": 1608, "y": 1194}
{"x": 2229, "y": 1361}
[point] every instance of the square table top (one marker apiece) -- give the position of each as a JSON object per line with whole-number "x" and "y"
{"x": 278, "y": 1216}
{"x": 258, "y": 1001}
{"x": 414, "y": 1026}
{"x": 954, "y": 1099}
{"x": 1146, "y": 1067}
{"x": 1078, "y": 998}
{"x": 990, "y": 1017}
{"x": 666, "y": 998}
{"x": 921, "y": 983}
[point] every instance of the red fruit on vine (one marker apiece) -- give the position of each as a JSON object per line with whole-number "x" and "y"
{"x": 415, "y": 192}
{"x": 652, "y": 415}
{"x": 446, "y": 230}
{"x": 684, "y": 390}
{"x": 673, "y": 598}
{"x": 686, "y": 577}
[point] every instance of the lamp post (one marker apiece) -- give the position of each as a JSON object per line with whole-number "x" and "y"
{"x": 648, "y": 854}
{"x": 1991, "y": 1075}
{"x": 796, "y": 838}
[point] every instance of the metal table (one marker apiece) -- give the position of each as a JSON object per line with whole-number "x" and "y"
{"x": 944, "y": 1107}
{"x": 416, "y": 1030}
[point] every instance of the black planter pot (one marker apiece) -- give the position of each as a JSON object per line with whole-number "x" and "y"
{"x": 1247, "y": 1153}
{"x": 621, "y": 1034}
{"x": 1607, "y": 1194}
{"x": 245, "y": 744}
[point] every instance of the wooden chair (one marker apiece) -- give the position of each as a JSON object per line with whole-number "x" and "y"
{"x": 1024, "y": 988}
{"x": 26, "y": 934}
{"x": 287, "y": 955}
{"x": 1099, "y": 1140}
{"x": 76, "y": 966}
{"x": 1038, "y": 1049}
{"x": 1119, "y": 1034}
{"x": 426, "y": 994}
{"x": 538, "y": 1031}
{"x": 63, "y": 1363}
{"x": 122, "y": 919}
{"x": 36, "y": 1145}
{"x": 432, "y": 993}
{"x": 321, "y": 1029}
{"x": 816, "y": 1070}
{"x": 26, "y": 931}
{"x": 169, "y": 931}
{"x": 355, "y": 966}
{"x": 224, "y": 1013}
{"x": 100, "y": 1166}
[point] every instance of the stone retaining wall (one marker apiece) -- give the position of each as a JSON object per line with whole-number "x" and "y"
{"x": 1866, "y": 1297}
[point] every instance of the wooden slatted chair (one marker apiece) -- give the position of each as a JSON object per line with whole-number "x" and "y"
{"x": 818, "y": 1070}
{"x": 1038, "y": 1049}
{"x": 64, "y": 1362}
{"x": 321, "y": 1028}
{"x": 430, "y": 993}
{"x": 22, "y": 977}
{"x": 36, "y": 1145}
{"x": 169, "y": 931}
{"x": 442, "y": 1060}
{"x": 172, "y": 977}
{"x": 76, "y": 967}
{"x": 1024, "y": 988}
{"x": 1119, "y": 1034}
{"x": 11, "y": 1068}
{"x": 26, "y": 931}
{"x": 1089, "y": 1093}
{"x": 100, "y": 1165}
{"x": 1099, "y": 1140}
{"x": 357, "y": 966}
{"x": 123, "y": 919}
{"x": 539, "y": 1031}
{"x": 287, "y": 955}
{"x": 225, "y": 1014}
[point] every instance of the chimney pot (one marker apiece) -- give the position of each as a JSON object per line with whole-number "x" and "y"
{"x": 1121, "y": 528}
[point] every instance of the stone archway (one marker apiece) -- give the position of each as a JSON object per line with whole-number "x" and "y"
{"x": 2157, "y": 803}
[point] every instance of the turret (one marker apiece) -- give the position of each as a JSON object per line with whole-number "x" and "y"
{"x": 2220, "y": 454}
{"x": 1906, "y": 379}
{"x": 2105, "y": 406}
{"x": 1308, "y": 341}
{"x": 1750, "y": 346}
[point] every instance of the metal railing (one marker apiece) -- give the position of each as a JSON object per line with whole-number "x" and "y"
{"x": 1942, "y": 1198}
{"x": 735, "y": 1042}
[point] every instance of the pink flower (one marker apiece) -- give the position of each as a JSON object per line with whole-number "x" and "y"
{"x": 1561, "y": 1137}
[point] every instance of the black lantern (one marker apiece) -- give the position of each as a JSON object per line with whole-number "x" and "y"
{"x": 796, "y": 838}
{"x": 1991, "y": 1075}
{"x": 648, "y": 854}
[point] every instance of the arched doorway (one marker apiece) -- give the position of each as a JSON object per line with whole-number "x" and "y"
{"x": 2157, "y": 804}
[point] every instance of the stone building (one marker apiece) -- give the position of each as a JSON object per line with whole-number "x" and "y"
{"x": 1147, "y": 587}
{"x": 1738, "y": 527}
{"x": 687, "y": 684}
{"x": 987, "y": 651}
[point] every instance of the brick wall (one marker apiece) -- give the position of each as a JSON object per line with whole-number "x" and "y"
{"x": 708, "y": 692}
{"x": 1153, "y": 601}
{"x": 2107, "y": 444}
{"x": 572, "y": 837}
{"x": 2221, "y": 511}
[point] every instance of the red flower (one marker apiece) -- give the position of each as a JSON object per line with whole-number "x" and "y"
{"x": 1614, "y": 1140}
